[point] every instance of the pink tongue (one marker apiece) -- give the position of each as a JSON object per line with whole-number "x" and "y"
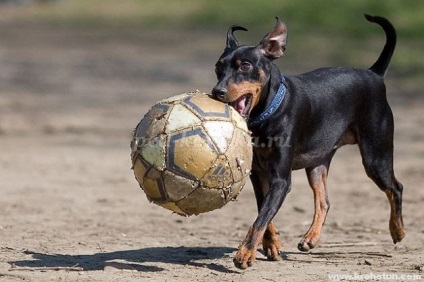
{"x": 240, "y": 104}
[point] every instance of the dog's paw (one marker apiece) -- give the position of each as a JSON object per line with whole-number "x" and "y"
{"x": 244, "y": 257}
{"x": 307, "y": 243}
{"x": 272, "y": 248}
{"x": 397, "y": 231}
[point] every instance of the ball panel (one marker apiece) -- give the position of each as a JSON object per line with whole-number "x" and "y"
{"x": 236, "y": 189}
{"x": 152, "y": 190}
{"x": 219, "y": 176}
{"x": 240, "y": 154}
{"x": 154, "y": 151}
{"x": 206, "y": 107}
{"x": 202, "y": 200}
{"x": 190, "y": 153}
{"x": 180, "y": 118}
{"x": 178, "y": 187}
{"x": 140, "y": 168}
{"x": 152, "y": 124}
{"x": 173, "y": 207}
{"x": 238, "y": 120}
{"x": 153, "y": 186}
{"x": 221, "y": 133}
{"x": 176, "y": 98}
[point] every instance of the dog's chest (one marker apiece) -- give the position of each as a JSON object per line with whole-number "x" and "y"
{"x": 262, "y": 157}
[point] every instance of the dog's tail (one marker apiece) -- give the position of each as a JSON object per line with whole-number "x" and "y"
{"x": 382, "y": 63}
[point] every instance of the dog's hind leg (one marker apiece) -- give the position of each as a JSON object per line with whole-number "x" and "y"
{"x": 376, "y": 146}
{"x": 317, "y": 178}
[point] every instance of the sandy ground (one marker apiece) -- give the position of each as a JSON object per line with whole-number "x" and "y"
{"x": 68, "y": 103}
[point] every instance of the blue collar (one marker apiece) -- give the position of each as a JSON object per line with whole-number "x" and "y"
{"x": 272, "y": 107}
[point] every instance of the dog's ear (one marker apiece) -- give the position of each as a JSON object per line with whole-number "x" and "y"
{"x": 231, "y": 40}
{"x": 274, "y": 43}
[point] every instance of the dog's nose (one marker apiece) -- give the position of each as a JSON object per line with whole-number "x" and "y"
{"x": 219, "y": 92}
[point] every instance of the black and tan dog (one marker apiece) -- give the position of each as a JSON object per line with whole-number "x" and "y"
{"x": 299, "y": 122}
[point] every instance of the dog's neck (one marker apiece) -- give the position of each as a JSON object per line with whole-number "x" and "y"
{"x": 269, "y": 92}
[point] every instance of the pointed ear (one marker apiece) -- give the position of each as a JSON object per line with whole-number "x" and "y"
{"x": 231, "y": 40}
{"x": 274, "y": 43}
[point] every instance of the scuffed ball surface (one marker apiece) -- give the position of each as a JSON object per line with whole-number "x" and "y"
{"x": 191, "y": 154}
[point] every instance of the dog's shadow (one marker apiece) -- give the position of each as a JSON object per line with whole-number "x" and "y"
{"x": 132, "y": 259}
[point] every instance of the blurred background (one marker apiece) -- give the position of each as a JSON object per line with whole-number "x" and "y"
{"x": 87, "y": 66}
{"x": 76, "y": 76}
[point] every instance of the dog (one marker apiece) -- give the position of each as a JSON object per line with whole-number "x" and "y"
{"x": 299, "y": 122}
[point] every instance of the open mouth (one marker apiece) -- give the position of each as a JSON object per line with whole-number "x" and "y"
{"x": 243, "y": 104}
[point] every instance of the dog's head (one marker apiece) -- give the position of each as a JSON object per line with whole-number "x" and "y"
{"x": 243, "y": 71}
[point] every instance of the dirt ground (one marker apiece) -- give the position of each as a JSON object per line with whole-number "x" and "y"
{"x": 69, "y": 202}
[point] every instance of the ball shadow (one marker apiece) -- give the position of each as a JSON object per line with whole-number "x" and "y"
{"x": 133, "y": 259}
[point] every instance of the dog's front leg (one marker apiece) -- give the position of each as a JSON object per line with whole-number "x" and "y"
{"x": 279, "y": 178}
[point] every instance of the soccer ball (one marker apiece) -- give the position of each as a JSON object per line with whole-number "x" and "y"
{"x": 191, "y": 154}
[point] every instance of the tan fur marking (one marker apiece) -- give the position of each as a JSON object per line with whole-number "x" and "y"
{"x": 271, "y": 243}
{"x": 318, "y": 182}
{"x": 246, "y": 256}
{"x": 397, "y": 229}
{"x": 262, "y": 76}
{"x": 235, "y": 91}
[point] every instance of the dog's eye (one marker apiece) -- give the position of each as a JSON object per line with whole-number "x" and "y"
{"x": 245, "y": 66}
